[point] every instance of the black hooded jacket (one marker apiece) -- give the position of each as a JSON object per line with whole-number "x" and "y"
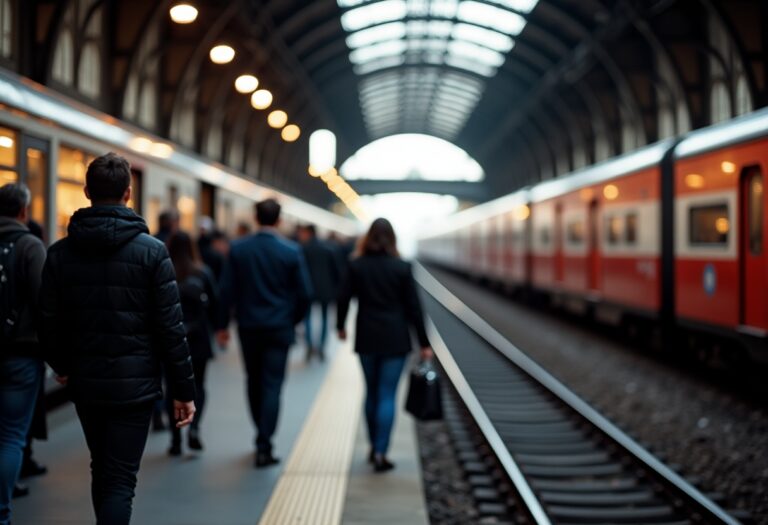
{"x": 110, "y": 311}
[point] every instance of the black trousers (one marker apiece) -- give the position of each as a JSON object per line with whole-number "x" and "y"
{"x": 116, "y": 437}
{"x": 265, "y": 356}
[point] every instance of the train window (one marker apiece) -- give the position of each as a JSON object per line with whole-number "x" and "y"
{"x": 544, "y": 236}
{"x": 613, "y": 229}
{"x": 37, "y": 182}
{"x": 8, "y": 176}
{"x": 9, "y": 145}
{"x": 69, "y": 192}
{"x": 755, "y": 211}
{"x": 709, "y": 224}
{"x": 575, "y": 232}
{"x": 630, "y": 231}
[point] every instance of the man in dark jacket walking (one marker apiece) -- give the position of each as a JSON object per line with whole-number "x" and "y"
{"x": 265, "y": 280}
{"x": 21, "y": 366}
{"x": 110, "y": 316}
{"x": 325, "y": 274}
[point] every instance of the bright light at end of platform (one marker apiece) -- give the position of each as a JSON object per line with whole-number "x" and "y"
{"x": 261, "y": 99}
{"x": 183, "y": 13}
{"x": 322, "y": 150}
{"x": 246, "y": 84}
{"x": 222, "y": 54}
{"x": 277, "y": 119}
{"x": 728, "y": 167}
{"x": 291, "y": 133}
{"x": 611, "y": 192}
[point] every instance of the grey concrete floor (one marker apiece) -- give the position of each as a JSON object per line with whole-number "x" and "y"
{"x": 218, "y": 486}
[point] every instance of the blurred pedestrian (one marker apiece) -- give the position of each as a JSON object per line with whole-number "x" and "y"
{"x": 265, "y": 281}
{"x": 212, "y": 258}
{"x": 243, "y": 230}
{"x": 168, "y": 223}
{"x": 110, "y": 314}
{"x": 21, "y": 366}
{"x": 388, "y": 304}
{"x": 324, "y": 273}
{"x": 199, "y": 302}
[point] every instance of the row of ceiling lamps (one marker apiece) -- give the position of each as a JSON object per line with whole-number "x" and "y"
{"x": 322, "y": 159}
{"x": 246, "y": 84}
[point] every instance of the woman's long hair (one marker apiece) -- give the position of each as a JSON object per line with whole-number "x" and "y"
{"x": 380, "y": 240}
{"x": 184, "y": 255}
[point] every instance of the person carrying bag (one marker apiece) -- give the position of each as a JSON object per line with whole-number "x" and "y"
{"x": 388, "y": 306}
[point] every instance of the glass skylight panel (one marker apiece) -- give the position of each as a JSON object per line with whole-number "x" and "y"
{"x": 418, "y": 7}
{"x": 376, "y": 65}
{"x": 372, "y": 14}
{"x": 350, "y": 3}
{"x": 523, "y": 6}
{"x": 484, "y": 37}
{"x": 372, "y": 35}
{"x": 444, "y": 8}
{"x": 383, "y": 49}
{"x": 468, "y": 64}
{"x": 491, "y": 16}
{"x": 432, "y": 28}
{"x": 472, "y": 51}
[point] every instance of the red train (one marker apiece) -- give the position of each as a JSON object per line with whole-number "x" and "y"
{"x": 672, "y": 236}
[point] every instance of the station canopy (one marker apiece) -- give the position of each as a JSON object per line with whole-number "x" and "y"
{"x": 448, "y": 47}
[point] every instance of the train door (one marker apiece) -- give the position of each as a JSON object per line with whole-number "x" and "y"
{"x": 754, "y": 306}
{"x": 559, "y": 239}
{"x": 593, "y": 249}
{"x": 208, "y": 200}
{"x": 34, "y": 169}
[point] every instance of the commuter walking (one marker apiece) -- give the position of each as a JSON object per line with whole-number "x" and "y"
{"x": 21, "y": 366}
{"x": 110, "y": 315}
{"x": 168, "y": 224}
{"x": 212, "y": 257}
{"x": 265, "y": 280}
{"x": 388, "y": 305}
{"x": 199, "y": 302}
{"x": 324, "y": 272}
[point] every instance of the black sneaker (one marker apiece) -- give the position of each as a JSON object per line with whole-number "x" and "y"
{"x": 193, "y": 440}
{"x": 382, "y": 464}
{"x": 19, "y": 490}
{"x": 265, "y": 459}
{"x": 32, "y": 468}
{"x": 175, "y": 449}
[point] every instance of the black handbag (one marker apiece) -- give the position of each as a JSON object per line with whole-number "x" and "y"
{"x": 424, "y": 401}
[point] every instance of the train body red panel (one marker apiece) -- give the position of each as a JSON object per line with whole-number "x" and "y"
{"x": 675, "y": 232}
{"x": 720, "y": 271}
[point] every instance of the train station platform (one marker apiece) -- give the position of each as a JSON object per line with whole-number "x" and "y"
{"x": 323, "y": 476}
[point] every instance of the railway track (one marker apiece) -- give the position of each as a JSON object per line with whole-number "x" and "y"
{"x": 563, "y": 461}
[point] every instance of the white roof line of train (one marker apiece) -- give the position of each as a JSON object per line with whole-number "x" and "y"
{"x": 738, "y": 130}
{"x": 39, "y": 101}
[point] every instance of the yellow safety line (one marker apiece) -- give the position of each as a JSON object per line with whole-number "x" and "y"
{"x": 314, "y": 483}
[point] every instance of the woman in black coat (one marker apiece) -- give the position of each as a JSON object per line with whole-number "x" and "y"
{"x": 199, "y": 296}
{"x": 388, "y": 305}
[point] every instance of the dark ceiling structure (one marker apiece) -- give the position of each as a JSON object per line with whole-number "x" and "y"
{"x": 531, "y": 89}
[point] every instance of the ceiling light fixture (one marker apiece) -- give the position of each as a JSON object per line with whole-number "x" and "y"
{"x": 291, "y": 133}
{"x": 277, "y": 119}
{"x": 246, "y": 84}
{"x": 261, "y": 99}
{"x": 183, "y": 13}
{"x": 222, "y": 54}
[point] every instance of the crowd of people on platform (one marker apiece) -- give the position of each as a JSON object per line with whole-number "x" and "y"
{"x": 128, "y": 322}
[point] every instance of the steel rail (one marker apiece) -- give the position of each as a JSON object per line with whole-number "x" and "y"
{"x": 481, "y": 327}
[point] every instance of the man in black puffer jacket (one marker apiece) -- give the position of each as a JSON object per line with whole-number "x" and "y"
{"x": 110, "y": 316}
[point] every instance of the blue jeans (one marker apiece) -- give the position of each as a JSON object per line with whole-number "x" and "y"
{"x": 265, "y": 357}
{"x": 20, "y": 379}
{"x": 382, "y": 373}
{"x": 323, "y": 327}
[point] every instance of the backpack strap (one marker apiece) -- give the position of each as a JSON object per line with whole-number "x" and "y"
{"x": 9, "y": 297}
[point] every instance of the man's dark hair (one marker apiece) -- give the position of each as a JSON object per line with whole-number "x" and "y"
{"x": 108, "y": 177}
{"x": 267, "y": 212}
{"x": 311, "y": 230}
{"x": 13, "y": 199}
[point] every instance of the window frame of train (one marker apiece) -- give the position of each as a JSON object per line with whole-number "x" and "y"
{"x": 720, "y": 210}
{"x": 631, "y": 226}
{"x": 39, "y": 185}
{"x": 137, "y": 190}
{"x": 755, "y": 202}
{"x": 613, "y": 236}
{"x": 207, "y": 200}
{"x": 71, "y": 180}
